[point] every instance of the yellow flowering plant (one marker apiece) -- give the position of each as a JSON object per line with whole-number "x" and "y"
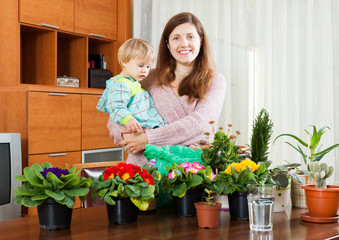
{"x": 237, "y": 175}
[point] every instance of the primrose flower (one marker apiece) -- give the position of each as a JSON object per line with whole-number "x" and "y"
{"x": 56, "y": 171}
{"x": 242, "y": 166}
{"x": 211, "y": 176}
{"x": 171, "y": 175}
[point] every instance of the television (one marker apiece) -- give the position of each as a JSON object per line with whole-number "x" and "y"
{"x": 10, "y": 166}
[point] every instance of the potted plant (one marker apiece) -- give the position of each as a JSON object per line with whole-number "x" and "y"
{"x": 234, "y": 180}
{"x": 53, "y": 191}
{"x": 310, "y": 151}
{"x": 322, "y": 200}
{"x": 125, "y": 188}
{"x": 260, "y": 138}
{"x": 208, "y": 212}
{"x": 153, "y": 170}
{"x": 186, "y": 183}
{"x": 281, "y": 176}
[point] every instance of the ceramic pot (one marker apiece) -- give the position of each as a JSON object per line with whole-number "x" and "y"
{"x": 238, "y": 205}
{"x": 282, "y": 198}
{"x": 208, "y": 215}
{"x": 322, "y": 202}
{"x": 123, "y": 212}
{"x": 184, "y": 207}
{"x": 53, "y": 215}
{"x": 223, "y": 199}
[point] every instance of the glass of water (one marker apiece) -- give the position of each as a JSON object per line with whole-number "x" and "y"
{"x": 260, "y": 206}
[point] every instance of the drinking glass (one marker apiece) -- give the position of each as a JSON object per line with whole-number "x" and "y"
{"x": 260, "y": 206}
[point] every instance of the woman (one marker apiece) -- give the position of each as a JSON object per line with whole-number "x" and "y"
{"x": 187, "y": 93}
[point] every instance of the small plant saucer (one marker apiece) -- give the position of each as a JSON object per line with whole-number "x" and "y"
{"x": 307, "y": 217}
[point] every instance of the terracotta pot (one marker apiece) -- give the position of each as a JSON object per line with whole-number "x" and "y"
{"x": 322, "y": 202}
{"x": 207, "y": 215}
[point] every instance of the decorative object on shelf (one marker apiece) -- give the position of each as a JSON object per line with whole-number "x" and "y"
{"x": 322, "y": 200}
{"x": 97, "y": 78}
{"x": 186, "y": 183}
{"x": 52, "y": 190}
{"x": 234, "y": 180}
{"x": 313, "y": 153}
{"x": 65, "y": 81}
{"x": 125, "y": 181}
{"x": 208, "y": 212}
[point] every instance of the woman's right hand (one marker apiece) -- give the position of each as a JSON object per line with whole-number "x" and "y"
{"x": 134, "y": 142}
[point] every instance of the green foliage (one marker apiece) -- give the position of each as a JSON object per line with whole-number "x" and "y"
{"x": 313, "y": 152}
{"x": 320, "y": 172}
{"x": 260, "y": 138}
{"x": 237, "y": 181}
{"x": 223, "y": 150}
{"x": 280, "y": 175}
{"x": 139, "y": 191}
{"x": 178, "y": 181}
{"x": 36, "y": 189}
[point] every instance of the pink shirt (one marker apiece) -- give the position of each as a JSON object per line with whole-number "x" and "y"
{"x": 187, "y": 121}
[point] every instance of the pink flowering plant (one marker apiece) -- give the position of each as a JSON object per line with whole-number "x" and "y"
{"x": 187, "y": 176}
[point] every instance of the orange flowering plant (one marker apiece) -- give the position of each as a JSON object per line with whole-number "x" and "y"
{"x": 237, "y": 175}
{"x": 127, "y": 180}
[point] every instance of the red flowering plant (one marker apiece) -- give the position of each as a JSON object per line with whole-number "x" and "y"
{"x": 127, "y": 181}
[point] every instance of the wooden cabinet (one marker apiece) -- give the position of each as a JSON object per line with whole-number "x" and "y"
{"x": 54, "y": 122}
{"x": 56, "y": 14}
{"x": 56, "y": 159}
{"x": 97, "y": 18}
{"x": 93, "y": 134}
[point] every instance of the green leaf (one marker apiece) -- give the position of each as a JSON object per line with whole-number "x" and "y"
{"x": 40, "y": 197}
{"x": 133, "y": 191}
{"x": 58, "y": 196}
{"x": 180, "y": 190}
{"x": 20, "y": 178}
{"x": 32, "y": 178}
{"x": 68, "y": 201}
{"x": 141, "y": 204}
{"x": 26, "y": 190}
{"x": 195, "y": 181}
{"x": 37, "y": 167}
{"x": 46, "y": 165}
{"x": 76, "y": 192}
{"x": 72, "y": 170}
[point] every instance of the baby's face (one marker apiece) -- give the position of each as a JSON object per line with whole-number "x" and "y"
{"x": 137, "y": 69}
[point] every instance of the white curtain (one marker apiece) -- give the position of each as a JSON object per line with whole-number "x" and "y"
{"x": 279, "y": 55}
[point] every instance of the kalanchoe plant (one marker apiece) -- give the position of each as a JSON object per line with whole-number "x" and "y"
{"x": 187, "y": 176}
{"x": 237, "y": 176}
{"x": 209, "y": 197}
{"x": 42, "y": 182}
{"x": 223, "y": 150}
{"x": 320, "y": 172}
{"x": 313, "y": 151}
{"x": 126, "y": 181}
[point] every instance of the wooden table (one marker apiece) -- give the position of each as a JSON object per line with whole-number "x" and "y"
{"x": 92, "y": 223}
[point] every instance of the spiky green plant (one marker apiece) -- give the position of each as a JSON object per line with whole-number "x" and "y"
{"x": 260, "y": 138}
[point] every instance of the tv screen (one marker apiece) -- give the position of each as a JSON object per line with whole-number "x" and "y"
{"x": 5, "y": 173}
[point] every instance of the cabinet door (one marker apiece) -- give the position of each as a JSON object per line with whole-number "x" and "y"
{"x": 96, "y": 18}
{"x": 94, "y": 131}
{"x": 54, "y": 122}
{"x": 56, "y": 14}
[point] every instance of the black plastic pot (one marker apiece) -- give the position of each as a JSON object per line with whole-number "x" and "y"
{"x": 238, "y": 205}
{"x": 184, "y": 207}
{"x": 123, "y": 212}
{"x": 53, "y": 215}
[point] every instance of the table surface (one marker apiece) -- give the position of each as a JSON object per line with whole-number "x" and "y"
{"x": 92, "y": 223}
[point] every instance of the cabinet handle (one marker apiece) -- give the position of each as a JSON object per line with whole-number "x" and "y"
{"x": 97, "y": 35}
{"x": 57, "y": 94}
{"x": 99, "y": 96}
{"x": 48, "y": 25}
{"x": 57, "y": 154}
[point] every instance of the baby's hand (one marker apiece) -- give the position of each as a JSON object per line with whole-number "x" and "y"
{"x": 133, "y": 125}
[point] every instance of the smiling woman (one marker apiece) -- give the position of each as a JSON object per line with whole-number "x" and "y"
{"x": 186, "y": 91}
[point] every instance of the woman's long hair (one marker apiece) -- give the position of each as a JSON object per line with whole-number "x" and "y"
{"x": 198, "y": 81}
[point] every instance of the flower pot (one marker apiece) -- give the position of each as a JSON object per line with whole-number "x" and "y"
{"x": 53, "y": 215}
{"x": 297, "y": 193}
{"x": 282, "y": 198}
{"x": 208, "y": 215}
{"x": 123, "y": 212}
{"x": 322, "y": 202}
{"x": 238, "y": 205}
{"x": 184, "y": 207}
